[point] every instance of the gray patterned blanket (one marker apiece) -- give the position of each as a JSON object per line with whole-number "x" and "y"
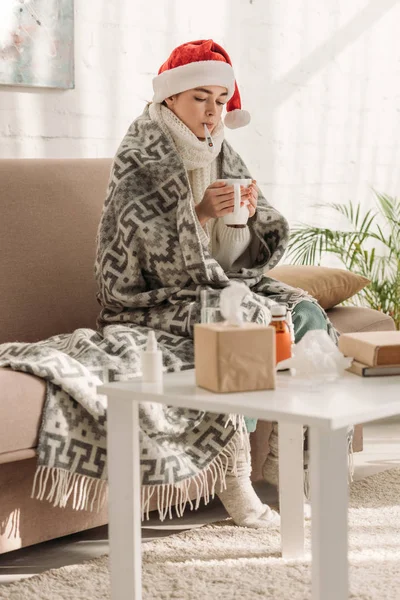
{"x": 150, "y": 267}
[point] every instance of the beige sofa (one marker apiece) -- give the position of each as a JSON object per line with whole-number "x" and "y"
{"x": 50, "y": 210}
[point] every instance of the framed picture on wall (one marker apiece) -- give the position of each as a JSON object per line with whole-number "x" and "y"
{"x": 37, "y": 43}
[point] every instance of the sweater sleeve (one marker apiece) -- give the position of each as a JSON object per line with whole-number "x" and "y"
{"x": 205, "y": 240}
{"x": 230, "y": 245}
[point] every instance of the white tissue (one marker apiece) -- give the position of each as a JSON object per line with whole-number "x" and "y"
{"x": 317, "y": 356}
{"x": 230, "y": 302}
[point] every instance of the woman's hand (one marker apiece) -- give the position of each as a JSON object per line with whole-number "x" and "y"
{"x": 218, "y": 200}
{"x": 252, "y": 197}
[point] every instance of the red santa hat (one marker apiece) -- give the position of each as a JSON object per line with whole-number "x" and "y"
{"x": 198, "y": 63}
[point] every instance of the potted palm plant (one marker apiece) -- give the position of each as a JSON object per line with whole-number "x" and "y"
{"x": 369, "y": 246}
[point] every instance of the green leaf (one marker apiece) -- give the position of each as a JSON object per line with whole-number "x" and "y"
{"x": 365, "y": 247}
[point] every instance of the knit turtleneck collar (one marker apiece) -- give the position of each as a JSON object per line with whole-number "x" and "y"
{"x": 194, "y": 152}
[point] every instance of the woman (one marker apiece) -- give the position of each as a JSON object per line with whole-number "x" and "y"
{"x": 162, "y": 239}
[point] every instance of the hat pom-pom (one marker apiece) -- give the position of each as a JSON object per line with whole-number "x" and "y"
{"x": 237, "y": 118}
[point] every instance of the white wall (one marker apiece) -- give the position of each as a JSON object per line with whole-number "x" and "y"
{"x": 321, "y": 80}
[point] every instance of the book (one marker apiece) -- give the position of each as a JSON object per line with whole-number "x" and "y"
{"x": 366, "y": 371}
{"x": 372, "y": 348}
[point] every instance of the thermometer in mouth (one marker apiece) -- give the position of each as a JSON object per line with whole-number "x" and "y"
{"x": 209, "y": 140}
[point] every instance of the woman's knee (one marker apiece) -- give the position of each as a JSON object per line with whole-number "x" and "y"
{"x": 307, "y": 316}
{"x": 251, "y": 424}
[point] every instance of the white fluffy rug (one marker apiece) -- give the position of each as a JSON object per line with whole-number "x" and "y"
{"x": 224, "y": 561}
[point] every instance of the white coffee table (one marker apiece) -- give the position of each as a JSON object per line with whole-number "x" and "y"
{"x": 327, "y": 409}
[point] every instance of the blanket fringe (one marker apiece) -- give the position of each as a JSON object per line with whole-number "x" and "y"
{"x": 59, "y": 486}
{"x": 177, "y": 495}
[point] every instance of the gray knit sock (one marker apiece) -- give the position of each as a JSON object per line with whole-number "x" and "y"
{"x": 241, "y": 501}
{"x": 270, "y": 468}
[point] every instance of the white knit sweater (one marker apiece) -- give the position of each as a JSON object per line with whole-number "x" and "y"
{"x": 228, "y": 245}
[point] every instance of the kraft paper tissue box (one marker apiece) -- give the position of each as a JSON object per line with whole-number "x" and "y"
{"x": 234, "y": 359}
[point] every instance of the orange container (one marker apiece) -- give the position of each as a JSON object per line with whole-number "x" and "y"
{"x": 283, "y": 337}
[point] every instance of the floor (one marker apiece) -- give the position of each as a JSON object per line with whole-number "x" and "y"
{"x": 381, "y": 452}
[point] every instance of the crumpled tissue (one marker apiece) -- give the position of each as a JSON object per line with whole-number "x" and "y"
{"x": 316, "y": 356}
{"x": 230, "y": 302}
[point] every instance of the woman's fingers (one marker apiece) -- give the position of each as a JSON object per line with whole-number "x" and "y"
{"x": 220, "y": 198}
{"x": 225, "y": 211}
{"x": 224, "y": 205}
{"x": 217, "y": 184}
{"x": 225, "y": 196}
{"x": 229, "y": 189}
{"x": 253, "y": 200}
{"x": 252, "y": 197}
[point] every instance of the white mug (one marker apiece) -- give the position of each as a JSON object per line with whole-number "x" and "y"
{"x": 240, "y": 214}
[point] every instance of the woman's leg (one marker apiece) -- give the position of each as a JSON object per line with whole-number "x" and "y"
{"x": 306, "y": 316}
{"x": 270, "y": 469}
{"x": 251, "y": 424}
{"x": 241, "y": 501}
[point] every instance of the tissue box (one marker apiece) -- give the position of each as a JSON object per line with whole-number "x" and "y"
{"x": 234, "y": 359}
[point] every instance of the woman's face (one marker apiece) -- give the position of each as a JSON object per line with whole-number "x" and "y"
{"x": 199, "y": 106}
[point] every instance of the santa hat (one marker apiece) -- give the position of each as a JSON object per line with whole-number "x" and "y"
{"x": 198, "y": 63}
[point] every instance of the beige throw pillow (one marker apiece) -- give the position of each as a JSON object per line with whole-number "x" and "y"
{"x": 327, "y": 285}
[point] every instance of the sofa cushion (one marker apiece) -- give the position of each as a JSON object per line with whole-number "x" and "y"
{"x": 327, "y": 285}
{"x": 22, "y": 399}
{"x": 349, "y": 319}
{"x": 50, "y": 212}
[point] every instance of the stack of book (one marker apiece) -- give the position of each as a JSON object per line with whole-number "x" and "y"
{"x": 374, "y": 353}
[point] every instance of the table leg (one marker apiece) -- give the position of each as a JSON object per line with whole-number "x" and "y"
{"x": 329, "y": 506}
{"x": 124, "y": 508}
{"x": 291, "y": 498}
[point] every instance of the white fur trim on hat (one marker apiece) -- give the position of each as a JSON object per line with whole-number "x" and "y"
{"x": 237, "y": 118}
{"x": 195, "y": 74}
